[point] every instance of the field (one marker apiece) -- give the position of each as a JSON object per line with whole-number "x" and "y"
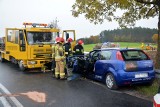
{"x": 89, "y": 47}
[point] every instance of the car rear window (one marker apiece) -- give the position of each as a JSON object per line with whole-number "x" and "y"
{"x": 130, "y": 55}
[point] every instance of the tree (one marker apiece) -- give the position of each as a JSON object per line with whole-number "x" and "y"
{"x": 155, "y": 37}
{"x": 132, "y": 10}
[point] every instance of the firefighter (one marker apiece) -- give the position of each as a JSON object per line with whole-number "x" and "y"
{"x": 68, "y": 53}
{"x": 59, "y": 59}
{"x": 68, "y": 49}
{"x": 78, "y": 49}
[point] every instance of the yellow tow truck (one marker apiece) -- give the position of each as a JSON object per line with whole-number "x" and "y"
{"x": 30, "y": 47}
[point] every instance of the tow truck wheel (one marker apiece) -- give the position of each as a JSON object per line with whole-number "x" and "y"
{"x": 21, "y": 66}
{"x": 110, "y": 82}
{"x": 1, "y": 59}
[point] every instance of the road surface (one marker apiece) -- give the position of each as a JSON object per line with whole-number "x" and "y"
{"x": 41, "y": 90}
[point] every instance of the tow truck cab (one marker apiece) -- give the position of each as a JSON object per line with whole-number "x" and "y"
{"x": 30, "y": 47}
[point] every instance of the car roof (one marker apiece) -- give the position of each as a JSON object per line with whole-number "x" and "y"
{"x": 118, "y": 49}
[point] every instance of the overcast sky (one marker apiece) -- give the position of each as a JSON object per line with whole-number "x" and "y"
{"x": 14, "y": 12}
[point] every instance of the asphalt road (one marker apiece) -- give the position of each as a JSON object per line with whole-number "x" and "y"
{"x": 62, "y": 93}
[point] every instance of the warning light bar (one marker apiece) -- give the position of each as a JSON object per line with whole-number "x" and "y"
{"x": 35, "y": 24}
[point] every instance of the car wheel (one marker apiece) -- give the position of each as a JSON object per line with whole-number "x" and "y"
{"x": 21, "y": 66}
{"x": 1, "y": 59}
{"x": 110, "y": 82}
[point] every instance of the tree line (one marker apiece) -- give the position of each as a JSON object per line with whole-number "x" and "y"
{"x": 137, "y": 34}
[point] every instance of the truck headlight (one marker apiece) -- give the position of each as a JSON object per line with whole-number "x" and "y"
{"x": 32, "y": 62}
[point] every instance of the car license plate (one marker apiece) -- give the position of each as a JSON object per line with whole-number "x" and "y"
{"x": 141, "y": 75}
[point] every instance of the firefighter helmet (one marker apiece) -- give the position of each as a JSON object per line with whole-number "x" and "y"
{"x": 58, "y": 39}
{"x": 69, "y": 40}
{"x": 80, "y": 42}
{"x": 61, "y": 40}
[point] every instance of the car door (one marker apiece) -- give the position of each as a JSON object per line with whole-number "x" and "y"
{"x": 102, "y": 64}
{"x": 90, "y": 61}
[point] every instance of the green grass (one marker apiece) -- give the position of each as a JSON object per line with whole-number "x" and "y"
{"x": 89, "y": 47}
{"x": 130, "y": 45}
{"x": 148, "y": 90}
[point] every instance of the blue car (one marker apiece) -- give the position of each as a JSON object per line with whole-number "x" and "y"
{"x": 117, "y": 67}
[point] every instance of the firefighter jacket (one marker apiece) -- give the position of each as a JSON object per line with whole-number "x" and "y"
{"x": 68, "y": 49}
{"x": 78, "y": 50}
{"x": 59, "y": 52}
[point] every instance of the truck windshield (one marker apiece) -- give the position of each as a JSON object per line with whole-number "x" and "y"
{"x": 41, "y": 37}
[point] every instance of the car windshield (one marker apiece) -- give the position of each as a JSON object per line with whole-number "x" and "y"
{"x": 41, "y": 37}
{"x": 134, "y": 55}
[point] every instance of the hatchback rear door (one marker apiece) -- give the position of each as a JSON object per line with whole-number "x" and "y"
{"x": 136, "y": 60}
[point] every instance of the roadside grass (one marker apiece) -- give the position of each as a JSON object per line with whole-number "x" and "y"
{"x": 148, "y": 90}
{"x": 89, "y": 47}
{"x": 129, "y": 45}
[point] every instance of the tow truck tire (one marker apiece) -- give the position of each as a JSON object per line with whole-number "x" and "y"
{"x": 110, "y": 82}
{"x": 1, "y": 59}
{"x": 21, "y": 66}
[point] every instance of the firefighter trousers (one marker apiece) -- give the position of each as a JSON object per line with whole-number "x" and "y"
{"x": 59, "y": 71}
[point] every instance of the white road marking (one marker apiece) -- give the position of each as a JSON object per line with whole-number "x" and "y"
{"x": 15, "y": 101}
{"x": 4, "y": 102}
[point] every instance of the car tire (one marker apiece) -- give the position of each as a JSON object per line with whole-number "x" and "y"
{"x": 1, "y": 59}
{"x": 110, "y": 82}
{"x": 21, "y": 66}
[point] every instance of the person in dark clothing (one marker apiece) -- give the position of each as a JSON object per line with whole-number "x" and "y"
{"x": 78, "y": 49}
{"x": 67, "y": 47}
{"x": 68, "y": 53}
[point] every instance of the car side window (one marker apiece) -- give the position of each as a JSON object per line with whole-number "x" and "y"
{"x": 106, "y": 55}
{"x": 91, "y": 53}
{"x": 95, "y": 56}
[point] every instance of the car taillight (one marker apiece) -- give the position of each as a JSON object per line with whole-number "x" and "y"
{"x": 119, "y": 56}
